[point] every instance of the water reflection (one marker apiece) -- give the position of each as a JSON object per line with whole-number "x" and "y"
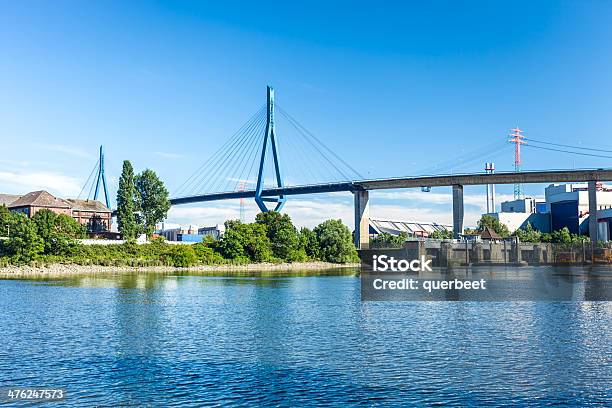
{"x": 150, "y": 339}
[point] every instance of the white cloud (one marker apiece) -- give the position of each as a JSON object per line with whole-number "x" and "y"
{"x": 419, "y": 198}
{"x": 408, "y": 205}
{"x": 303, "y": 212}
{"x": 21, "y": 183}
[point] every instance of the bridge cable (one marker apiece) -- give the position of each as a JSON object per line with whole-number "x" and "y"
{"x": 214, "y": 176}
{"x": 195, "y": 176}
{"x": 250, "y": 157}
{"x": 240, "y": 159}
{"x": 255, "y": 159}
{"x": 301, "y": 158}
{"x": 307, "y": 134}
{"x": 226, "y": 167}
{"x": 215, "y": 158}
{"x": 88, "y": 179}
{"x": 328, "y": 161}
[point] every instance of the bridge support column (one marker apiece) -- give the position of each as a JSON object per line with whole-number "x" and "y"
{"x": 593, "y": 211}
{"x": 457, "y": 210}
{"x": 362, "y": 219}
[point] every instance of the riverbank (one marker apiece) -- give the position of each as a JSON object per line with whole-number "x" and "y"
{"x": 66, "y": 270}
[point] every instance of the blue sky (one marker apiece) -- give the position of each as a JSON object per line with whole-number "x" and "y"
{"x": 395, "y": 88}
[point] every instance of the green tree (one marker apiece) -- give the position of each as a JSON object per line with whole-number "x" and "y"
{"x": 309, "y": 242}
{"x": 44, "y": 220}
{"x": 58, "y": 232}
{"x": 24, "y": 244}
{"x": 244, "y": 242}
{"x": 284, "y": 238}
{"x": 126, "y": 204}
{"x": 561, "y": 236}
{"x": 386, "y": 240}
{"x": 494, "y": 224}
{"x": 5, "y": 221}
{"x": 152, "y": 200}
{"x": 335, "y": 242}
{"x": 444, "y": 234}
{"x": 66, "y": 231}
{"x": 528, "y": 234}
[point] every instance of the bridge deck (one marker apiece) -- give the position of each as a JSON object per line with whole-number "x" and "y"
{"x": 526, "y": 177}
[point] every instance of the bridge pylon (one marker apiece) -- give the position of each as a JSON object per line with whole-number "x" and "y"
{"x": 269, "y": 136}
{"x": 101, "y": 180}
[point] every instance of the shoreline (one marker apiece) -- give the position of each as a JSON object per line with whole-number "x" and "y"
{"x": 67, "y": 270}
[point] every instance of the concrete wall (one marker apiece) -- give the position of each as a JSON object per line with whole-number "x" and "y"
{"x": 448, "y": 253}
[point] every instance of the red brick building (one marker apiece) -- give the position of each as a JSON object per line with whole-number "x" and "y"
{"x": 95, "y": 215}
{"x": 35, "y": 201}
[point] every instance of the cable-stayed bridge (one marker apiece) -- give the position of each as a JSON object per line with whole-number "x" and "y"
{"x": 253, "y": 156}
{"x": 256, "y": 163}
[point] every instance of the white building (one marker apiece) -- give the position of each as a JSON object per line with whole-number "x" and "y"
{"x": 411, "y": 228}
{"x": 565, "y": 205}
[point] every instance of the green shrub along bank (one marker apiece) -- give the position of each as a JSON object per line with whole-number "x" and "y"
{"x": 51, "y": 238}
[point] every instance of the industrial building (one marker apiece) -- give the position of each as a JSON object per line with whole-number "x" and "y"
{"x": 565, "y": 205}
{"x": 93, "y": 214}
{"x": 176, "y": 234}
{"x": 191, "y": 233}
{"x": 215, "y": 232}
{"x": 516, "y": 214}
{"x": 410, "y": 228}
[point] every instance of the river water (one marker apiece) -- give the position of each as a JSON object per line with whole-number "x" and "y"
{"x": 170, "y": 340}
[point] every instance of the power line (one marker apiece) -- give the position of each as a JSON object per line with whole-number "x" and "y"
{"x": 567, "y": 151}
{"x": 565, "y": 145}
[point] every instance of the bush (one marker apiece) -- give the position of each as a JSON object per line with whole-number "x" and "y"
{"x": 444, "y": 234}
{"x": 386, "y": 240}
{"x": 207, "y": 255}
{"x": 181, "y": 256}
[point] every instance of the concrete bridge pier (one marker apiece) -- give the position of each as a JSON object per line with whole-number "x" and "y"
{"x": 593, "y": 210}
{"x": 457, "y": 210}
{"x": 362, "y": 219}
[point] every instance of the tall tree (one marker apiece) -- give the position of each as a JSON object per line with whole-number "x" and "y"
{"x": 335, "y": 242}
{"x": 152, "y": 200}
{"x": 126, "y": 204}
{"x": 283, "y": 236}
